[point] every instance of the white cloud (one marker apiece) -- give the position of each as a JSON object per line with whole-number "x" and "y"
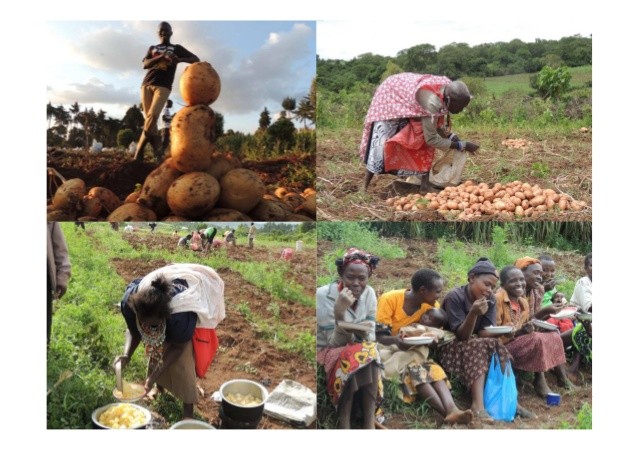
{"x": 92, "y": 92}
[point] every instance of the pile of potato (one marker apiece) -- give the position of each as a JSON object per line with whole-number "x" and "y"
{"x": 506, "y": 201}
{"x": 517, "y": 143}
{"x": 195, "y": 183}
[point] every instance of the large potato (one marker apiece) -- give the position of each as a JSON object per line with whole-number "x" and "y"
{"x": 108, "y": 199}
{"x": 226, "y": 215}
{"x": 200, "y": 84}
{"x": 69, "y": 194}
{"x": 192, "y": 137}
{"x": 310, "y": 204}
{"x": 153, "y": 193}
{"x": 269, "y": 210}
{"x": 242, "y": 190}
{"x": 193, "y": 195}
{"x": 221, "y": 164}
{"x": 132, "y": 212}
{"x": 299, "y": 218}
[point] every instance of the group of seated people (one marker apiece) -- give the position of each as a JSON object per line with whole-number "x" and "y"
{"x": 362, "y": 340}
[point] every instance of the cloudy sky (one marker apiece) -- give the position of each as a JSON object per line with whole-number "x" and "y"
{"x": 99, "y": 64}
{"x": 389, "y": 37}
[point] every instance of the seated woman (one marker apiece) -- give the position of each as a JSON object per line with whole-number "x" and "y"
{"x": 350, "y": 357}
{"x": 470, "y": 309}
{"x": 547, "y": 353}
{"x": 420, "y": 376}
{"x": 162, "y": 311}
{"x": 531, "y": 351}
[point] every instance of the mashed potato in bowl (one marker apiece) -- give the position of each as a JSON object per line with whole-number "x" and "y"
{"x": 123, "y": 416}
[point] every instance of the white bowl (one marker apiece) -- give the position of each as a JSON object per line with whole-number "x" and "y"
{"x": 191, "y": 424}
{"x": 100, "y": 410}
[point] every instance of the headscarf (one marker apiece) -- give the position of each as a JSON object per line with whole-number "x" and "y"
{"x": 356, "y": 256}
{"x": 524, "y": 262}
{"x": 483, "y": 266}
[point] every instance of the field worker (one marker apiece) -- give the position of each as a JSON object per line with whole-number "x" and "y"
{"x": 252, "y": 231}
{"x": 196, "y": 241}
{"x": 184, "y": 241}
{"x": 164, "y": 311}
{"x": 408, "y": 118}
{"x": 209, "y": 235}
{"x": 230, "y": 237}
{"x": 161, "y": 61}
{"x": 287, "y": 254}
{"x": 165, "y": 129}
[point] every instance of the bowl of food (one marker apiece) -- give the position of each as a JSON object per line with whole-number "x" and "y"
{"x": 130, "y": 392}
{"x": 192, "y": 424}
{"x": 243, "y": 400}
{"x": 121, "y": 415}
{"x": 499, "y": 330}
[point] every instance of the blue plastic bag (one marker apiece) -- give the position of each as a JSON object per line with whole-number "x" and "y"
{"x": 500, "y": 395}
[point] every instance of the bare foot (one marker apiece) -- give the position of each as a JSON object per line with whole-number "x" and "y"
{"x": 483, "y": 416}
{"x": 541, "y": 388}
{"x": 460, "y": 417}
{"x": 524, "y": 413}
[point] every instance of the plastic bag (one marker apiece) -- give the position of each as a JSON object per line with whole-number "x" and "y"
{"x": 447, "y": 171}
{"x": 500, "y": 395}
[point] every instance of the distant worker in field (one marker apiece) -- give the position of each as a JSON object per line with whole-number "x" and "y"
{"x": 230, "y": 237}
{"x": 408, "y": 118}
{"x": 252, "y": 231}
{"x": 152, "y": 225}
{"x": 184, "y": 241}
{"x": 165, "y": 128}
{"x": 209, "y": 234}
{"x": 196, "y": 241}
{"x": 287, "y": 254}
{"x": 160, "y": 61}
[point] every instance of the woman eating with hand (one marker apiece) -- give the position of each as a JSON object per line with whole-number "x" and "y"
{"x": 471, "y": 308}
{"x": 349, "y": 355}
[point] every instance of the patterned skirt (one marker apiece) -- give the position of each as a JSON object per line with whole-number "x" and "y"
{"x": 536, "y": 352}
{"x": 470, "y": 359}
{"x": 349, "y": 367}
{"x": 420, "y": 373}
{"x": 582, "y": 342}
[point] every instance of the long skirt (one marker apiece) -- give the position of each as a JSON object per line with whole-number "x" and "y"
{"x": 470, "y": 359}
{"x": 349, "y": 368}
{"x": 536, "y": 352}
{"x": 180, "y": 378}
{"x": 582, "y": 342}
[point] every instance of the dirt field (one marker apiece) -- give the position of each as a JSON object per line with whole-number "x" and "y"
{"x": 118, "y": 171}
{"x": 241, "y": 354}
{"x": 562, "y": 163}
{"x": 422, "y": 253}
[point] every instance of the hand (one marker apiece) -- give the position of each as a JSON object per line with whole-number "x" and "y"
{"x": 344, "y": 300}
{"x": 480, "y": 307}
{"x": 124, "y": 359}
{"x": 401, "y": 344}
{"x": 148, "y": 384}
{"x": 554, "y": 308}
{"x": 59, "y": 291}
{"x": 527, "y": 328}
{"x": 471, "y": 147}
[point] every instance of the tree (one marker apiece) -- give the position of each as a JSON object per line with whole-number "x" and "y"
{"x": 420, "y": 58}
{"x": 306, "y": 110}
{"x": 264, "y": 119}
{"x": 289, "y": 104}
{"x": 551, "y": 82}
{"x": 219, "y": 125}
{"x": 391, "y": 69}
{"x": 125, "y": 137}
{"x": 133, "y": 119}
{"x": 283, "y": 133}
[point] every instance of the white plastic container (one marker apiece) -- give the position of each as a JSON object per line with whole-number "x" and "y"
{"x": 299, "y": 246}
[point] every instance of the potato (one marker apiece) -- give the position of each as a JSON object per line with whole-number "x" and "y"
{"x": 132, "y": 198}
{"x": 499, "y": 205}
{"x": 69, "y": 195}
{"x": 192, "y": 138}
{"x": 518, "y": 211}
{"x": 296, "y": 200}
{"x": 173, "y": 218}
{"x": 563, "y": 204}
{"x": 541, "y": 207}
{"x": 221, "y": 164}
{"x": 226, "y": 214}
{"x": 538, "y": 200}
{"x": 91, "y": 206}
{"x": 515, "y": 200}
{"x": 153, "y": 193}
{"x": 299, "y": 218}
{"x": 132, "y": 212}
{"x": 60, "y": 215}
{"x": 200, "y": 84}
{"x": 520, "y": 194}
{"x": 193, "y": 195}
{"x": 242, "y": 190}
{"x": 309, "y": 191}
{"x": 310, "y": 205}
{"x": 529, "y": 194}
{"x": 434, "y": 205}
{"x": 268, "y": 210}
{"x": 549, "y": 203}
{"x": 280, "y": 192}
{"x": 107, "y": 198}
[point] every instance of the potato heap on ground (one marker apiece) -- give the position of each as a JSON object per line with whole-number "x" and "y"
{"x": 72, "y": 201}
{"x": 517, "y": 143}
{"x": 505, "y": 201}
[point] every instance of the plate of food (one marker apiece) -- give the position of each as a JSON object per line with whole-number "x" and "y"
{"x": 417, "y": 341}
{"x": 544, "y": 325}
{"x": 498, "y": 330}
{"x": 364, "y": 326}
{"x": 567, "y": 312}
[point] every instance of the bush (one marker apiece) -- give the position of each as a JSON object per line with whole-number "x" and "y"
{"x": 125, "y": 137}
{"x": 551, "y": 83}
